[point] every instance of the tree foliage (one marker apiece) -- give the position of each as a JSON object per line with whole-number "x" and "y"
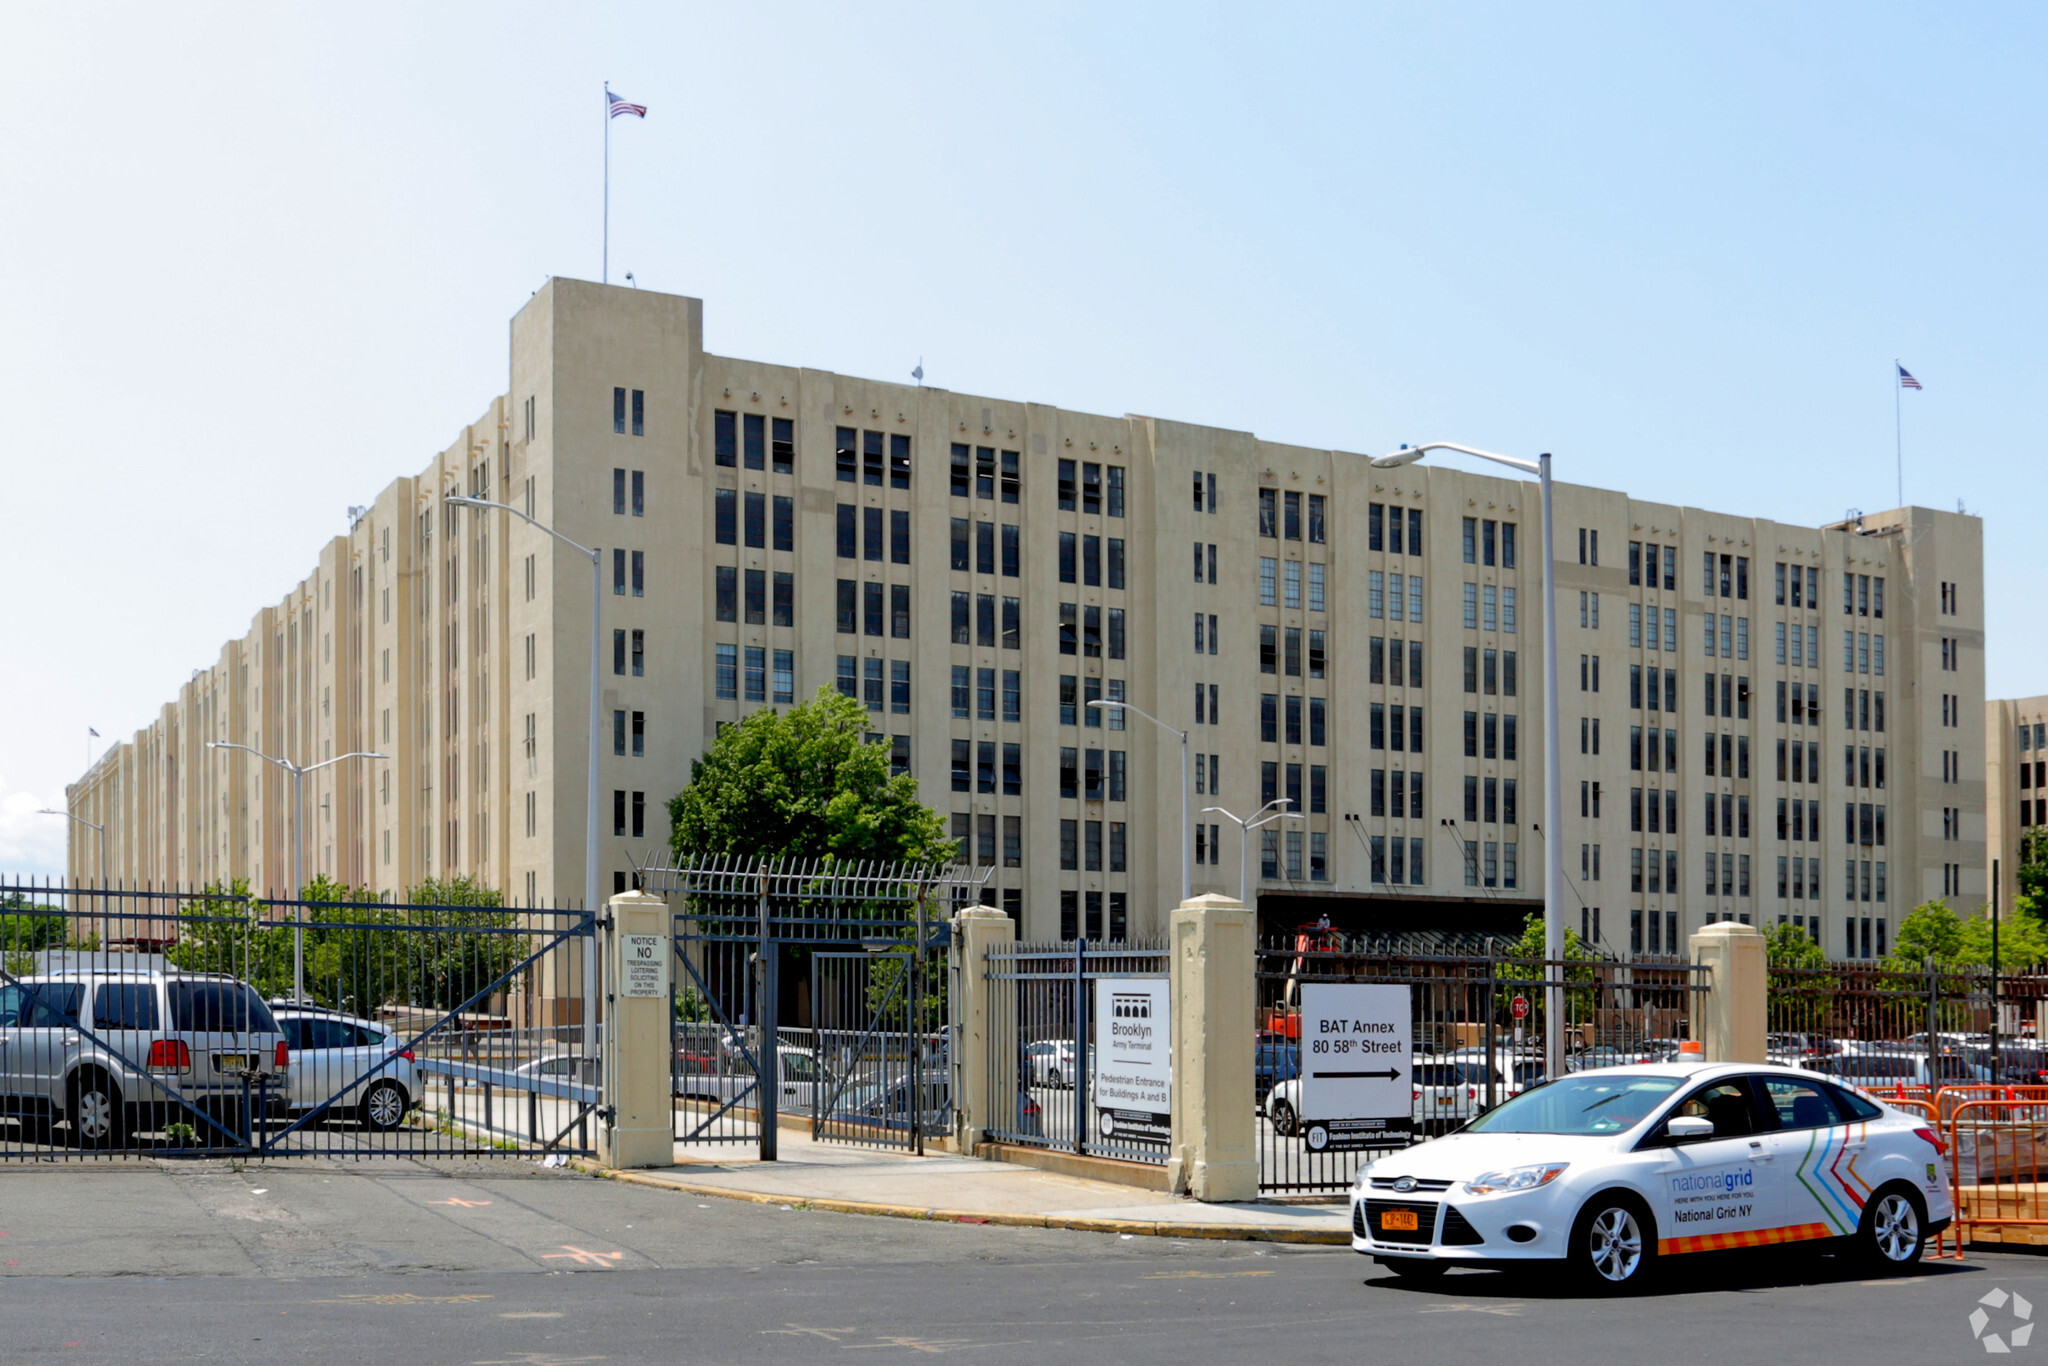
{"x": 1936, "y": 932}
{"x": 804, "y": 784}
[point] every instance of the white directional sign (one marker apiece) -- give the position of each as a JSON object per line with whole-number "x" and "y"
{"x": 1357, "y": 1065}
{"x": 1133, "y": 1062}
{"x": 644, "y": 960}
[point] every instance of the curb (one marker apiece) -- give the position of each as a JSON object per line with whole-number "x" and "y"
{"x": 1162, "y": 1228}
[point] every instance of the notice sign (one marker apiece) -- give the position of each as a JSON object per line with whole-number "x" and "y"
{"x": 1133, "y": 1062}
{"x": 643, "y": 961}
{"x": 1357, "y": 1065}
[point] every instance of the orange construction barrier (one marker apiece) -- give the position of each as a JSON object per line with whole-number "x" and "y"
{"x": 1998, "y": 1154}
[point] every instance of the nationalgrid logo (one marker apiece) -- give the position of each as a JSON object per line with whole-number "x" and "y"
{"x": 2018, "y": 1336}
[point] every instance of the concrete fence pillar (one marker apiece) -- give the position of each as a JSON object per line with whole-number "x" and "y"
{"x": 1213, "y": 967}
{"x": 986, "y": 1012}
{"x": 1730, "y": 1016}
{"x": 639, "y": 1038}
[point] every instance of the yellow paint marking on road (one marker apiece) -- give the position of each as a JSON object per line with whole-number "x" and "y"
{"x": 461, "y": 1203}
{"x": 1200, "y": 1275}
{"x": 1508, "y": 1311}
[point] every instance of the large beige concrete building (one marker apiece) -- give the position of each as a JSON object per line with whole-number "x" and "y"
{"x": 1760, "y": 720}
{"x": 2016, "y": 782}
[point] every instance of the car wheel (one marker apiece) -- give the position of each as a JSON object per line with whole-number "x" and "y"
{"x": 385, "y": 1106}
{"x": 1893, "y": 1230}
{"x": 1613, "y": 1244}
{"x": 1284, "y": 1120}
{"x": 95, "y": 1112}
{"x": 1415, "y": 1268}
{"x": 1052, "y": 1078}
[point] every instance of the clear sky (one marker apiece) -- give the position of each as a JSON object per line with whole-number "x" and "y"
{"x": 258, "y": 260}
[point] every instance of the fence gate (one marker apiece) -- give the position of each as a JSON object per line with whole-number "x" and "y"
{"x": 829, "y": 980}
{"x": 182, "y": 1023}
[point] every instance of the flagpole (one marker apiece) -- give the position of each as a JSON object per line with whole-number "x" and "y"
{"x": 1898, "y": 431}
{"x": 605, "y": 276}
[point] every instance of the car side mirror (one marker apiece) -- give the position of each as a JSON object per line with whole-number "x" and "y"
{"x": 1685, "y": 1128}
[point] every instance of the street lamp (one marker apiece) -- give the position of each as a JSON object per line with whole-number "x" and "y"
{"x": 1187, "y": 853}
{"x": 100, "y": 830}
{"x": 1553, "y": 780}
{"x": 1245, "y": 825}
{"x": 298, "y": 772}
{"x": 592, "y": 885}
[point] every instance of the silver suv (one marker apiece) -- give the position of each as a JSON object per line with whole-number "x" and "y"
{"x": 109, "y": 1051}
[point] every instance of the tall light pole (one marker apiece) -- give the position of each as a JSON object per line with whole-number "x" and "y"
{"x": 593, "y": 890}
{"x": 1245, "y": 825}
{"x": 101, "y": 830}
{"x": 1553, "y": 779}
{"x": 298, "y": 772}
{"x": 1187, "y": 850}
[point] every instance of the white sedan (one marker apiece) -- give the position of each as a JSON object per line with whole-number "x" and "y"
{"x": 1609, "y": 1172}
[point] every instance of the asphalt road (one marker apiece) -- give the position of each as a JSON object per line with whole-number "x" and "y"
{"x": 497, "y": 1263}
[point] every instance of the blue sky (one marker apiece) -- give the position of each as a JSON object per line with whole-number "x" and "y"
{"x": 259, "y": 260}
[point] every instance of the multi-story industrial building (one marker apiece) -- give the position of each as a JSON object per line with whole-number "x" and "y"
{"x": 1760, "y": 721}
{"x": 2016, "y": 781}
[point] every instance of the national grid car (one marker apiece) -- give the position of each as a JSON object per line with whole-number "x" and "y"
{"x": 1610, "y": 1172}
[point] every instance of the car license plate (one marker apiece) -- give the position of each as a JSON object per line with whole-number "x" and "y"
{"x": 1399, "y": 1219}
{"x": 231, "y": 1062}
{"x": 1446, "y": 1100}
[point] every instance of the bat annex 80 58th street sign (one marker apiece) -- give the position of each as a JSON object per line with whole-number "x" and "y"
{"x": 1357, "y": 1065}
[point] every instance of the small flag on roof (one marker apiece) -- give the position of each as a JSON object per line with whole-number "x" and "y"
{"x": 1906, "y": 380}
{"x": 618, "y": 106}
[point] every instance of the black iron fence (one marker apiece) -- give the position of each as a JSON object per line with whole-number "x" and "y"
{"x": 1885, "y": 1027}
{"x": 172, "y": 1022}
{"x": 1477, "y": 1028}
{"x": 1074, "y": 1032}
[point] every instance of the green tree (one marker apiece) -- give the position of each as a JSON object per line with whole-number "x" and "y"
{"x": 1790, "y": 948}
{"x": 1801, "y": 994}
{"x": 2030, "y": 879}
{"x": 1579, "y": 974}
{"x": 2022, "y": 940}
{"x": 1931, "y": 931}
{"x": 454, "y": 944}
{"x": 804, "y": 784}
{"x": 25, "y": 928}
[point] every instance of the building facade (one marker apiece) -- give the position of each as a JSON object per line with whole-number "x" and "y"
{"x": 2016, "y": 778}
{"x": 1760, "y": 721}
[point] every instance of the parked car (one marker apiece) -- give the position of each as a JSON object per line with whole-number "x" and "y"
{"x": 1446, "y": 1091}
{"x": 566, "y": 1067}
{"x": 1611, "y": 1172}
{"x": 1276, "y": 1059}
{"x": 357, "y": 1063}
{"x": 731, "y": 1078}
{"x": 1872, "y": 1070}
{"x": 2019, "y": 1064}
{"x": 1051, "y": 1062}
{"x": 108, "y": 1052}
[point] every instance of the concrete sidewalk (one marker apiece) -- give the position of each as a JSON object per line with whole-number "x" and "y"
{"x": 853, "y": 1180}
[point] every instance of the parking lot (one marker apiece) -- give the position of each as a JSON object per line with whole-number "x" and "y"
{"x": 496, "y": 1262}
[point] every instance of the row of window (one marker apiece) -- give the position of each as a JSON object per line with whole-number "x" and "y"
{"x": 1486, "y": 737}
{"x": 1278, "y": 781}
{"x": 1100, "y": 487}
{"x": 760, "y": 450}
{"x": 1078, "y": 696}
{"x": 1490, "y": 801}
{"x": 866, "y": 465}
{"x": 2034, "y": 774}
{"x": 1091, "y": 559}
{"x": 974, "y": 768}
{"x": 976, "y": 473}
{"x": 865, "y": 681}
{"x": 1487, "y": 670}
{"x": 1643, "y": 630}
{"x": 726, "y": 598}
{"x": 877, "y": 609}
{"x": 620, "y": 501}
{"x": 1318, "y": 843}
{"x": 1280, "y": 517}
{"x": 1082, "y": 846}
{"x": 1272, "y": 730}
{"x": 860, "y": 535}
{"x": 1487, "y": 863}
{"x": 1272, "y": 581}
{"x": 1396, "y": 794}
{"x": 1643, "y": 560}
{"x": 981, "y": 538}
{"x": 974, "y": 694}
{"x": 1798, "y": 645}
{"x": 1480, "y": 540}
{"x": 1090, "y": 774}
{"x": 2034, "y": 736}
{"x": 976, "y": 837}
{"x": 1798, "y": 586}
{"x": 1089, "y": 639}
{"x": 1281, "y": 651}
{"x": 1074, "y": 904}
{"x": 727, "y": 521}
{"x": 1489, "y": 608}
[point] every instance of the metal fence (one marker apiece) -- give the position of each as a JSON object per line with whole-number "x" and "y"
{"x": 828, "y": 978}
{"x": 174, "y": 1022}
{"x": 1889, "y": 1028}
{"x": 1045, "y": 1082}
{"x": 1477, "y": 1024}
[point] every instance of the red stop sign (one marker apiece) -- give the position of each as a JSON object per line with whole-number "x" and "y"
{"x": 1521, "y": 1008}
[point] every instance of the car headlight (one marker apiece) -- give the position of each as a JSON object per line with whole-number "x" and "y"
{"x": 1516, "y": 1178}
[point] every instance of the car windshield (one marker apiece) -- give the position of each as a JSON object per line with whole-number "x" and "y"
{"x": 1606, "y": 1104}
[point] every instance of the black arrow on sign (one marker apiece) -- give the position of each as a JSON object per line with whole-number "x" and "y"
{"x": 1391, "y": 1074}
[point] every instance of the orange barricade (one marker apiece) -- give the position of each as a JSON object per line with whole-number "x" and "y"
{"x": 1998, "y": 1162}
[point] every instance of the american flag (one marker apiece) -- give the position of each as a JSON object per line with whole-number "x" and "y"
{"x": 1906, "y": 380}
{"x": 618, "y": 106}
